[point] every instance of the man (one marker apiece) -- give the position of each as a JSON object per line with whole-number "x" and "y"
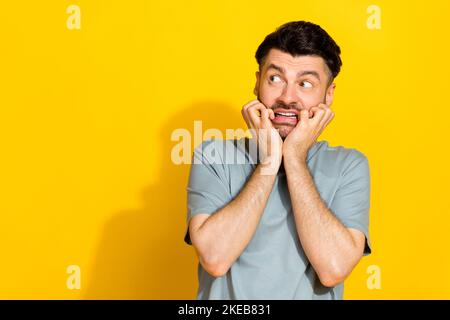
{"x": 298, "y": 231}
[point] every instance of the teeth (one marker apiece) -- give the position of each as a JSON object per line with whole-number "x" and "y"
{"x": 286, "y": 114}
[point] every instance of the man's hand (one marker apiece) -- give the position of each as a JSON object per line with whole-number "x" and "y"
{"x": 258, "y": 116}
{"x": 306, "y": 132}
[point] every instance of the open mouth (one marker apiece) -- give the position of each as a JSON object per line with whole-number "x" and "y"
{"x": 285, "y": 118}
{"x": 286, "y": 114}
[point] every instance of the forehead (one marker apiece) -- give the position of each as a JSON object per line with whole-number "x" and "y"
{"x": 294, "y": 64}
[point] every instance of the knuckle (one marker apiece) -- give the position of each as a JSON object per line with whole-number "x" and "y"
{"x": 248, "y": 104}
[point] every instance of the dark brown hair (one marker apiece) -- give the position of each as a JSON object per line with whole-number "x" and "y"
{"x": 302, "y": 38}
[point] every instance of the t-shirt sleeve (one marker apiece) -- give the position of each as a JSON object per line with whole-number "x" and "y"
{"x": 208, "y": 189}
{"x": 352, "y": 199}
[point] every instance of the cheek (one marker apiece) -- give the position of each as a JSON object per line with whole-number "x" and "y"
{"x": 312, "y": 100}
{"x": 268, "y": 95}
{"x": 272, "y": 91}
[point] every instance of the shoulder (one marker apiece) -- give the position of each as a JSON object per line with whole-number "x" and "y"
{"x": 219, "y": 144}
{"x": 340, "y": 152}
{"x": 219, "y": 151}
{"x": 342, "y": 159}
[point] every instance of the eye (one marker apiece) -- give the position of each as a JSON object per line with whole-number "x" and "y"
{"x": 274, "y": 78}
{"x": 306, "y": 84}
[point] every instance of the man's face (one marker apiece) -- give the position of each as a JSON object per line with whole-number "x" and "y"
{"x": 288, "y": 84}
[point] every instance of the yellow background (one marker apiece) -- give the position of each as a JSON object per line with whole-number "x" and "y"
{"x": 86, "y": 118}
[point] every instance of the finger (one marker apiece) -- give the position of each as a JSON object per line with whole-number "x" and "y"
{"x": 256, "y": 109}
{"x": 265, "y": 118}
{"x": 254, "y": 114}
{"x": 324, "y": 105}
{"x": 328, "y": 115}
{"x": 313, "y": 110}
{"x": 256, "y": 106}
{"x": 249, "y": 104}
{"x": 244, "y": 115}
{"x": 304, "y": 115}
{"x": 244, "y": 111}
{"x": 271, "y": 114}
{"x": 246, "y": 106}
{"x": 328, "y": 118}
{"x": 319, "y": 113}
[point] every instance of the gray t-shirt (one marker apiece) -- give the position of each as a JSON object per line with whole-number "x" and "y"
{"x": 274, "y": 265}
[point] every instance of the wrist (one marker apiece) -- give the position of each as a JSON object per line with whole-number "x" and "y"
{"x": 270, "y": 167}
{"x": 294, "y": 156}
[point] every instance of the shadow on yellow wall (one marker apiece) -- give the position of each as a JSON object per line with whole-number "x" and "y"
{"x": 142, "y": 254}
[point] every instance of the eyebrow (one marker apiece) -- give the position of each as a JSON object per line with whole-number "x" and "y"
{"x": 300, "y": 74}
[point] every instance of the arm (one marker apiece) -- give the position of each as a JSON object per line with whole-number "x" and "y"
{"x": 219, "y": 239}
{"x": 332, "y": 249}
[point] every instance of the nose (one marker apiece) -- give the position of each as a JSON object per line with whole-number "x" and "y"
{"x": 289, "y": 95}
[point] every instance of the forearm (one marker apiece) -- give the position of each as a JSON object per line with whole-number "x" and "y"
{"x": 327, "y": 243}
{"x": 225, "y": 234}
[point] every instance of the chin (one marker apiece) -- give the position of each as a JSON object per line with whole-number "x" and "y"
{"x": 284, "y": 131}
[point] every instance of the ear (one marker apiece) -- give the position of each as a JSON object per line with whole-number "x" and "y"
{"x": 329, "y": 96}
{"x": 256, "y": 89}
